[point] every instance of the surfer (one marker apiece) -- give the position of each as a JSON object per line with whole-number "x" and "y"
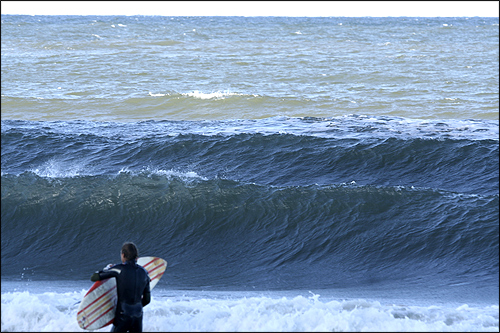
{"x": 132, "y": 285}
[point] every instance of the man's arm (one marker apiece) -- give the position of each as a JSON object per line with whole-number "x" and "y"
{"x": 146, "y": 295}
{"x": 106, "y": 274}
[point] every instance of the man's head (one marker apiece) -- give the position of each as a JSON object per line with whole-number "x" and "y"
{"x": 129, "y": 251}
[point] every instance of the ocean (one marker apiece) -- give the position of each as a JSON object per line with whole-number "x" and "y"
{"x": 297, "y": 174}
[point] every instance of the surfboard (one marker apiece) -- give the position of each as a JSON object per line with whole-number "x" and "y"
{"x": 98, "y": 306}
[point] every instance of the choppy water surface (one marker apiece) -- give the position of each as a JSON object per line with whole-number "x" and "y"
{"x": 297, "y": 174}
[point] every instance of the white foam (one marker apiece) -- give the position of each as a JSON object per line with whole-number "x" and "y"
{"x": 148, "y": 171}
{"x": 413, "y": 128}
{"x": 157, "y": 95}
{"x": 56, "y": 169}
{"x": 202, "y": 95}
{"x": 49, "y": 311}
{"x": 349, "y": 126}
{"x": 184, "y": 175}
{"x": 216, "y": 95}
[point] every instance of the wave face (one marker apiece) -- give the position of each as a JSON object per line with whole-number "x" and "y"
{"x": 254, "y": 153}
{"x": 277, "y": 203}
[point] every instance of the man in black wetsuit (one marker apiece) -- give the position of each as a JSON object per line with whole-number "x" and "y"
{"x": 132, "y": 285}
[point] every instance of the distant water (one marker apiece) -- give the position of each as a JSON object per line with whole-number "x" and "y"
{"x": 298, "y": 174}
{"x": 133, "y": 68}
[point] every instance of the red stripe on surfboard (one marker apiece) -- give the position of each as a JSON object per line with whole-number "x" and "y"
{"x": 157, "y": 267}
{"x": 159, "y": 275}
{"x": 101, "y": 306}
{"x": 90, "y": 314}
{"x": 99, "y": 317}
{"x": 150, "y": 262}
{"x": 96, "y": 299}
{"x": 95, "y": 286}
{"x": 109, "y": 322}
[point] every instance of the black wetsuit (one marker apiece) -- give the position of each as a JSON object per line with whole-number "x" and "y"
{"x": 132, "y": 286}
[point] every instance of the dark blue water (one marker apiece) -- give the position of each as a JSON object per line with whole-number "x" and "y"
{"x": 243, "y": 209}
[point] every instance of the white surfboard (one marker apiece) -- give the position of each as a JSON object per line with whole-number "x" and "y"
{"x": 98, "y": 306}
